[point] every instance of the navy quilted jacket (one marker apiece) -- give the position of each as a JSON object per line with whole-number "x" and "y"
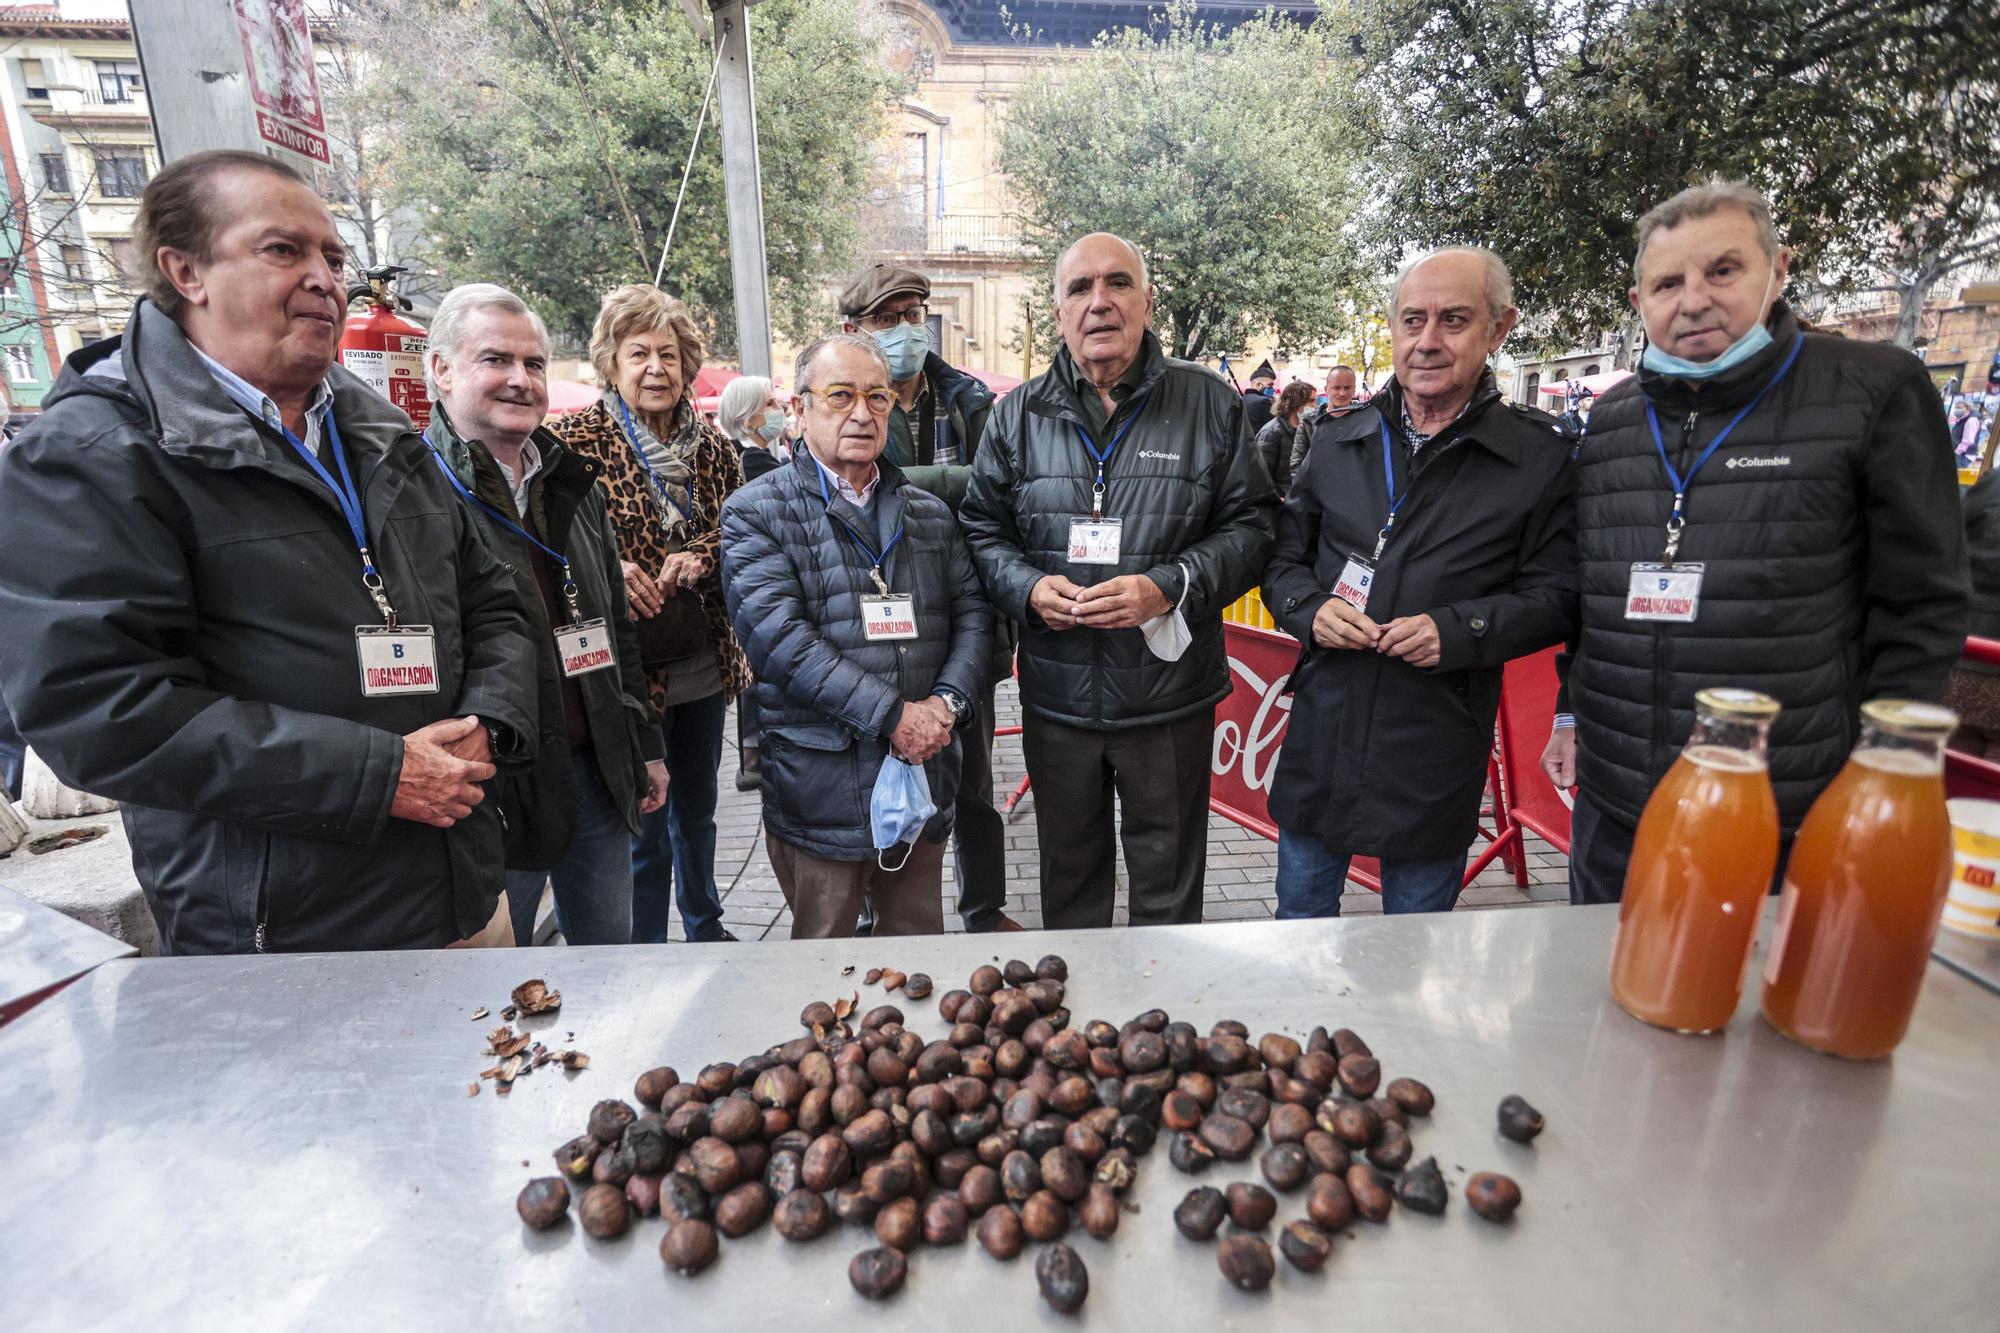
{"x": 826, "y": 697}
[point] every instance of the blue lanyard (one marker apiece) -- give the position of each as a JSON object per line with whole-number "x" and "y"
{"x": 1677, "y": 520}
{"x": 568, "y": 583}
{"x": 349, "y": 497}
{"x": 1388, "y": 485}
{"x": 1103, "y": 456}
{"x": 875, "y": 561}
{"x": 659, "y": 482}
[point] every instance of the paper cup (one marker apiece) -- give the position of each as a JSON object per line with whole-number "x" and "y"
{"x": 1973, "y": 905}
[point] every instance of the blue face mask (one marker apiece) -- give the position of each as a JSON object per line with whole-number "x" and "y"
{"x": 906, "y": 346}
{"x": 1755, "y": 340}
{"x": 900, "y": 807}
{"x": 771, "y": 430}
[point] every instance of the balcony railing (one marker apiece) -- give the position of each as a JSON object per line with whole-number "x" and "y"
{"x": 952, "y": 234}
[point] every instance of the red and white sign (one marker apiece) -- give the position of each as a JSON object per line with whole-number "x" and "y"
{"x": 277, "y": 56}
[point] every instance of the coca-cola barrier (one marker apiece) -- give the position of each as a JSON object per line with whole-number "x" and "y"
{"x": 1250, "y": 729}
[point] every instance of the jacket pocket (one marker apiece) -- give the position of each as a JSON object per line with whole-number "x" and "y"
{"x": 246, "y": 861}
{"x": 813, "y": 779}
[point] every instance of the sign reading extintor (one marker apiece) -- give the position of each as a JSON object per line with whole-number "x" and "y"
{"x": 277, "y": 55}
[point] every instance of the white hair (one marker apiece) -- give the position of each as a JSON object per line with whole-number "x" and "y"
{"x": 1499, "y": 282}
{"x": 1145, "y": 279}
{"x": 742, "y": 398}
{"x": 861, "y": 342}
{"x": 448, "y": 324}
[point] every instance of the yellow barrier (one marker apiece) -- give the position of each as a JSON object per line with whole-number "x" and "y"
{"x": 1249, "y": 610}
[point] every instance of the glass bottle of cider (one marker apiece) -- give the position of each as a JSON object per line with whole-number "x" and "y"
{"x": 1864, "y": 889}
{"x": 1702, "y": 861}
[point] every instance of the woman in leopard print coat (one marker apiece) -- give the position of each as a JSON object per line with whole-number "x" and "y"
{"x": 666, "y": 474}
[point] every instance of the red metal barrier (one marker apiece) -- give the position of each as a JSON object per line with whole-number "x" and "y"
{"x": 1969, "y": 775}
{"x": 1250, "y": 729}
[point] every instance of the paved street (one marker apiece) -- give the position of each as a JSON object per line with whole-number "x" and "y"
{"x": 1241, "y": 865}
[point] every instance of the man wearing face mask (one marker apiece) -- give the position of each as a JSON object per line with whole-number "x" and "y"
{"x": 1760, "y": 506}
{"x": 934, "y": 434}
{"x": 855, "y": 599}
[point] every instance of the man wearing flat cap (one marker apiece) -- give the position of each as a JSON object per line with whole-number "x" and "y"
{"x": 1257, "y": 399}
{"x": 934, "y": 433}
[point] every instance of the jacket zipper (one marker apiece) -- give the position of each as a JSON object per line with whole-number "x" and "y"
{"x": 259, "y": 939}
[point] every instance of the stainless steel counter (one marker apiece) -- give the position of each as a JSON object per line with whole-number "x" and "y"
{"x": 40, "y": 948}
{"x": 287, "y": 1143}
{"x": 1976, "y": 958}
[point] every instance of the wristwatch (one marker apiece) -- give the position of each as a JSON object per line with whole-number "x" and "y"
{"x": 958, "y": 706}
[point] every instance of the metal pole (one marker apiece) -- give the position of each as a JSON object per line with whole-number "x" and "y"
{"x": 736, "y": 114}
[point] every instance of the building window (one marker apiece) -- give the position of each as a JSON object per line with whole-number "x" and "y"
{"x": 125, "y": 255}
{"x": 34, "y": 83}
{"x": 1590, "y": 370}
{"x": 74, "y": 267}
{"x": 21, "y": 364}
{"x": 1529, "y": 386}
{"x": 117, "y": 80}
{"x": 121, "y": 173}
{"x": 55, "y": 172}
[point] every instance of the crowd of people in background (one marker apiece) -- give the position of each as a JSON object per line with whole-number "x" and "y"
{"x": 358, "y": 686}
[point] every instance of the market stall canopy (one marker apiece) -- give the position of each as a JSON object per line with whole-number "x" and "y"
{"x": 1593, "y": 384}
{"x": 567, "y": 396}
{"x": 1002, "y": 385}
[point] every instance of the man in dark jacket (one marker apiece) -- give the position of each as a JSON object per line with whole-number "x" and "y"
{"x": 1257, "y": 407}
{"x": 1340, "y": 386}
{"x": 934, "y": 433}
{"x": 1431, "y": 540}
{"x": 856, "y": 602}
{"x": 600, "y": 762}
{"x": 1760, "y": 506}
{"x": 1114, "y": 515}
{"x": 244, "y": 602}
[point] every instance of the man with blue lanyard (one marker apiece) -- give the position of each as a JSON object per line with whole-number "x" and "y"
{"x": 242, "y": 601}
{"x": 1430, "y": 540}
{"x": 601, "y": 762}
{"x": 855, "y": 600}
{"x": 1114, "y": 516}
{"x": 1761, "y": 506}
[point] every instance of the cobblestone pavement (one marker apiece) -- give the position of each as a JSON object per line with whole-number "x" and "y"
{"x": 1241, "y": 864}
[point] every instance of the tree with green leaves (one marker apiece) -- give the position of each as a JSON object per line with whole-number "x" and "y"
{"x": 1546, "y": 129}
{"x": 1221, "y": 154}
{"x": 542, "y": 142}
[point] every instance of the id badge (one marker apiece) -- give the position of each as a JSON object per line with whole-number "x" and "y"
{"x": 1354, "y": 581}
{"x": 584, "y": 647}
{"x": 1664, "y": 592}
{"x": 1094, "y": 541}
{"x": 402, "y": 660}
{"x": 887, "y": 618}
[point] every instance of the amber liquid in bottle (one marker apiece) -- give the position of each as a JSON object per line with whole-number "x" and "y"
{"x": 1863, "y": 892}
{"x": 1701, "y": 864}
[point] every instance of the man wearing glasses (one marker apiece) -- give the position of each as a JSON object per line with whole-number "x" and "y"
{"x": 1113, "y": 515}
{"x": 855, "y": 600}
{"x": 934, "y": 433}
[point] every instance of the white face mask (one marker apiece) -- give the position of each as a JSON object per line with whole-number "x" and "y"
{"x": 1167, "y": 635}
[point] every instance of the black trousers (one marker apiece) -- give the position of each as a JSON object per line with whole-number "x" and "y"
{"x": 980, "y": 841}
{"x": 1600, "y": 847}
{"x": 1160, "y": 775}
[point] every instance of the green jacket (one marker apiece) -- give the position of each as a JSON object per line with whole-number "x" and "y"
{"x": 538, "y": 801}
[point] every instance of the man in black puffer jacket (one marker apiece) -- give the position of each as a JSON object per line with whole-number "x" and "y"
{"x": 855, "y": 600}
{"x": 1113, "y": 514}
{"x": 1817, "y": 555}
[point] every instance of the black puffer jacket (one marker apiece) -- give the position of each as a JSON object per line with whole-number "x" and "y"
{"x": 1381, "y": 757}
{"x": 180, "y": 596}
{"x": 827, "y": 698}
{"x": 1836, "y": 570}
{"x": 1189, "y": 498}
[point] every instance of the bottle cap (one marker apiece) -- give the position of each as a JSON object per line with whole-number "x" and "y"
{"x": 1736, "y": 705}
{"x": 1907, "y": 717}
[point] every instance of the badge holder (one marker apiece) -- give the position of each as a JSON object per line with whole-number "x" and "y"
{"x": 887, "y": 616}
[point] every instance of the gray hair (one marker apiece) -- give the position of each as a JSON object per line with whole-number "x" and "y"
{"x": 1499, "y": 282}
{"x": 448, "y": 324}
{"x": 1145, "y": 278}
{"x": 742, "y": 398}
{"x": 802, "y": 371}
{"x": 1705, "y": 200}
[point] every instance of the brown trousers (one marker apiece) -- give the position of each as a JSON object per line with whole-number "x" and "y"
{"x": 826, "y": 896}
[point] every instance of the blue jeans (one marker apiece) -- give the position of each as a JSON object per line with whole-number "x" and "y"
{"x": 677, "y": 841}
{"x": 1310, "y": 879}
{"x": 594, "y": 878}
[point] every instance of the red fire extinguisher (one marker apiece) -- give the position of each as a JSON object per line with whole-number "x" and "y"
{"x": 382, "y": 347}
